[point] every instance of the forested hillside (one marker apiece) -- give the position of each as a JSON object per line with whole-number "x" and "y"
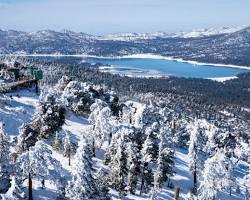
{"x": 93, "y": 135}
{"x": 223, "y": 47}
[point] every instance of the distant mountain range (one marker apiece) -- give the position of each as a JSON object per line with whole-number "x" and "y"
{"x": 225, "y": 45}
{"x": 195, "y": 33}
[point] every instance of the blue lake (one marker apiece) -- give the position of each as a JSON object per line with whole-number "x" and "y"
{"x": 162, "y": 67}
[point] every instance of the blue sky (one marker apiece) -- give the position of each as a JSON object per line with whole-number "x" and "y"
{"x": 113, "y": 16}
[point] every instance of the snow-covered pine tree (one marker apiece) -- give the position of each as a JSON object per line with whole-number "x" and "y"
{"x": 151, "y": 144}
{"x": 103, "y": 184}
{"x": 62, "y": 83}
{"x": 195, "y": 151}
{"x": 83, "y": 105}
{"x": 153, "y": 195}
{"x": 133, "y": 166}
{"x": 101, "y": 115}
{"x": 5, "y": 162}
{"x": 165, "y": 159}
{"x": 61, "y": 185}
{"x": 78, "y": 97}
{"x": 147, "y": 178}
{"x": 114, "y": 105}
{"x": 57, "y": 144}
{"x": 192, "y": 150}
{"x": 103, "y": 128}
{"x": 49, "y": 116}
{"x": 246, "y": 183}
{"x": 67, "y": 147}
{"x": 230, "y": 165}
{"x": 216, "y": 176}
{"x": 28, "y": 136}
{"x": 37, "y": 162}
{"x": 242, "y": 151}
{"x": 127, "y": 114}
{"x": 149, "y": 153}
{"x": 226, "y": 139}
{"x": 121, "y": 131}
{"x": 110, "y": 151}
{"x": 181, "y": 134}
{"x": 212, "y": 133}
{"x": 83, "y": 184}
{"x": 118, "y": 165}
{"x": 150, "y": 115}
{"x": 14, "y": 192}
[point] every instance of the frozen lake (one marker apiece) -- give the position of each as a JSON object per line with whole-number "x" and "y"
{"x": 163, "y": 67}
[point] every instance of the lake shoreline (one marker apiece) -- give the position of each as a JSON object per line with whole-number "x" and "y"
{"x": 154, "y": 56}
{"x": 145, "y": 56}
{"x": 223, "y": 79}
{"x": 137, "y": 56}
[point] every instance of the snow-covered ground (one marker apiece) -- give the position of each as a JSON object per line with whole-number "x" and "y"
{"x": 223, "y": 79}
{"x": 18, "y": 110}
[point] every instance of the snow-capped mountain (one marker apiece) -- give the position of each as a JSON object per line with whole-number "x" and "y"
{"x": 45, "y": 41}
{"x": 192, "y": 34}
{"x": 209, "y": 32}
{"x": 225, "y": 45}
{"x": 134, "y": 36}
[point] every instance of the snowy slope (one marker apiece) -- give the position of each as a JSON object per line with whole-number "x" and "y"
{"x": 17, "y": 108}
{"x": 10, "y": 113}
{"x": 77, "y": 126}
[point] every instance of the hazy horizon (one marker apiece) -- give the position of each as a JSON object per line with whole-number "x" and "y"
{"x": 116, "y": 16}
{"x": 114, "y": 33}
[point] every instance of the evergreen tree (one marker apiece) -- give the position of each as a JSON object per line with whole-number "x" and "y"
{"x": 165, "y": 159}
{"x": 246, "y": 183}
{"x": 49, "y": 116}
{"x": 83, "y": 184}
{"x": 195, "y": 151}
{"x": 118, "y": 165}
{"x": 28, "y": 136}
{"x": 67, "y": 147}
{"x": 121, "y": 133}
{"x": 79, "y": 97}
{"x": 57, "y": 143}
{"x": 5, "y": 162}
{"x": 101, "y": 116}
{"x": 216, "y": 176}
{"x": 61, "y": 186}
{"x": 62, "y": 83}
{"x": 151, "y": 144}
{"x": 149, "y": 154}
{"x": 147, "y": 178}
{"x": 37, "y": 162}
{"x": 103, "y": 184}
{"x": 14, "y": 192}
{"x": 133, "y": 166}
